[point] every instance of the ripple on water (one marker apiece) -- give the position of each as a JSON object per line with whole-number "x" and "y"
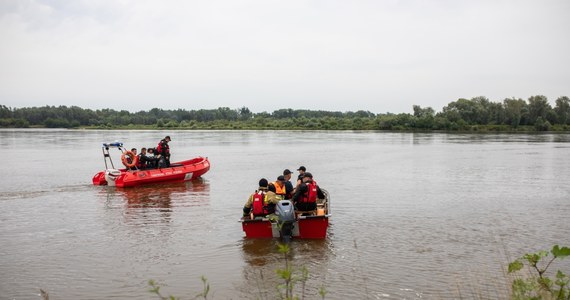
{"x": 415, "y": 215}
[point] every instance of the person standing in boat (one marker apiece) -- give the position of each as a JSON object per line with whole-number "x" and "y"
{"x": 164, "y": 151}
{"x": 305, "y": 198}
{"x": 302, "y": 171}
{"x": 288, "y": 185}
{"x": 262, "y": 201}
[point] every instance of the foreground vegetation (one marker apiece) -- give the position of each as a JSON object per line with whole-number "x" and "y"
{"x": 476, "y": 114}
{"x": 290, "y": 277}
{"x": 537, "y": 285}
{"x": 533, "y": 285}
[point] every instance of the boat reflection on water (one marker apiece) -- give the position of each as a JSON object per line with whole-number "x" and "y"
{"x": 163, "y": 196}
{"x": 259, "y": 252}
{"x": 263, "y": 259}
{"x": 153, "y": 206}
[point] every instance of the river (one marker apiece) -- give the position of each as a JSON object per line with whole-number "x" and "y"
{"x": 414, "y": 215}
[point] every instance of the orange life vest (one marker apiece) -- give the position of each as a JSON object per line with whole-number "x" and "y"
{"x": 279, "y": 188}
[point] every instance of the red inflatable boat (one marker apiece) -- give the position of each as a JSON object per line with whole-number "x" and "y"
{"x": 177, "y": 172}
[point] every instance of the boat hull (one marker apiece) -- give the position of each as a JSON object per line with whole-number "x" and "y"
{"x": 180, "y": 171}
{"x": 305, "y": 227}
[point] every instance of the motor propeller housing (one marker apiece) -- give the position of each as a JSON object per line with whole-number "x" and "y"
{"x": 285, "y": 212}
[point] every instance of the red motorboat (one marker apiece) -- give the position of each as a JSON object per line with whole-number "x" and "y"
{"x": 177, "y": 172}
{"x": 288, "y": 223}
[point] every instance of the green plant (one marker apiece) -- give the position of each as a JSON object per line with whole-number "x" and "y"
{"x": 540, "y": 286}
{"x": 290, "y": 277}
{"x": 288, "y": 274}
{"x": 44, "y": 295}
{"x": 205, "y": 290}
{"x": 322, "y": 291}
{"x": 155, "y": 289}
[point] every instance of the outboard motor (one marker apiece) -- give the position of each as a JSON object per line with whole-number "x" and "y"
{"x": 111, "y": 175}
{"x": 285, "y": 213}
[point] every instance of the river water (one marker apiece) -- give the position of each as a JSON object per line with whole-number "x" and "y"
{"x": 414, "y": 215}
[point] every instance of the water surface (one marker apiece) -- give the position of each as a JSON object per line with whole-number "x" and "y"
{"x": 415, "y": 215}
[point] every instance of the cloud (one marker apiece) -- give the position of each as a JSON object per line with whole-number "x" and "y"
{"x": 335, "y": 55}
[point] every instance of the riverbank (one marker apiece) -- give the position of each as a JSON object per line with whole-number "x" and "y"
{"x": 470, "y": 128}
{"x": 477, "y": 114}
{"x": 237, "y": 127}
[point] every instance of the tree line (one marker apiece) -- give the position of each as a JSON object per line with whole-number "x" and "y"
{"x": 475, "y": 114}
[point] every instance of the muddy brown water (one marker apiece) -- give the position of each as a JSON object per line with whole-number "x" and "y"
{"x": 415, "y": 215}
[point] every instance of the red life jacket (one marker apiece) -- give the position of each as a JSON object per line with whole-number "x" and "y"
{"x": 311, "y": 195}
{"x": 163, "y": 147}
{"x": 259, "y": 208}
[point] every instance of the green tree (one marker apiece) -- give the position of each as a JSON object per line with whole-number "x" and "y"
{"x": 5, "y": 112}
{"x": 225, "y": 113}
{"x": 244, "y": 114}
{"x": 424, "y": 117}
{"x": 562, "y": 110}
{"x": 57, "y": 123}
{"x": 538, "y": 106}
{"x": 420, "y": 112}
{"x": 467, "y": 110}
{"x": 482, "y": 106}
{"x": 542, "y": 125}
{"x": 515, "y": 110}
{"x": 496, "y": 113}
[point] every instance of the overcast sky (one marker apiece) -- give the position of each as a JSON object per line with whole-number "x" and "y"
{"x": 380, "y": 56}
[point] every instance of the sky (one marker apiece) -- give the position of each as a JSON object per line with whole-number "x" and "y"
{"x": 378, "y": 55}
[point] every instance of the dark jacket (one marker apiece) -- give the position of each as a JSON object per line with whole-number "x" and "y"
{"x": 302, "y": 189}
{"x": 146, "y": 161}
{"x": 163, "y": 148}
{"x": 288, "y": 189}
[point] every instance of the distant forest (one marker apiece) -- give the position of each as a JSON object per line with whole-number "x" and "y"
{"x": 476, "y": 114}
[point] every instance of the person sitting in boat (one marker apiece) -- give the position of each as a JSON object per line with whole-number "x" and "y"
{"x": 261, "y": 202}
{"x": 144, "y": 161}
{"x": 280, "y": 186}
{"x": 164, "y": 151}
{"x": 305, "y": 198}
{"x": 141, "y": 159}
{"x": 153, "y": 158}
{"x": 288, "y": 185}
{"x": 271, "y": 198}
